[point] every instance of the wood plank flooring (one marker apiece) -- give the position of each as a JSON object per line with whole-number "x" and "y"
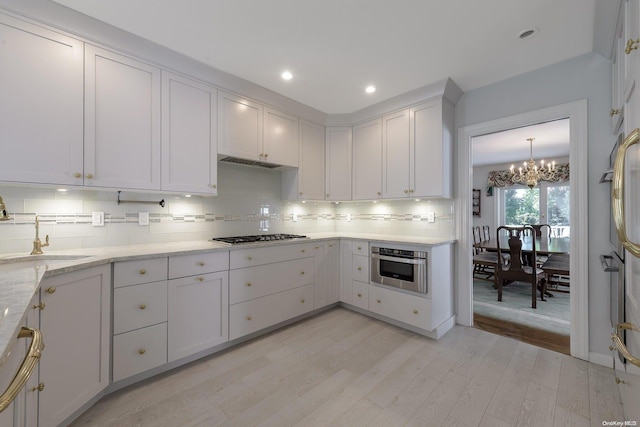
{"x": 537, "y": 337}
{"x": 341, "y": 368}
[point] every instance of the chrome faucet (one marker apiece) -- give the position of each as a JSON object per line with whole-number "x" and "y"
{"x": 37, "y": 244}
{"x": 4, "y": 216}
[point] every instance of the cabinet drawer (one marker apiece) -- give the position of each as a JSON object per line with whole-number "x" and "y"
{"x": 250, "y": 316}
{"x": 191, "y": 265}
{"x": 267, "y": 255}
{"x": 254, "y": 282}
{"x": 127, "y": 273}
{"x": 360, "y": 248}
{"x": 406, "y": 308}
{"x": 135, "y": 307}
{"x": 360, "y": 295}
{"x": 360, "y": 271}
{"x": 139, "y": 351}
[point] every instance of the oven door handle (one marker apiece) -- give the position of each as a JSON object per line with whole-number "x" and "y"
{"x": 398, "y": 259}
{"x": 606, "y": 267}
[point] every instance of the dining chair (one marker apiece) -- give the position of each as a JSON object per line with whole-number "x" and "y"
{"x": 486, "y": 232}
{"x": 484, "y": 263}
{"x": 515, "y": 269}
{"x": 538, "y": 229}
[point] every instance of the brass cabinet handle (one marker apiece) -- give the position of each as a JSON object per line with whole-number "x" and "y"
{"x": 27, "y": 366}
{"x": 249, "y": 284}
{"x": 330, "y": 246}
{"x": 51, "y": 289}
{"x": 379, "y": 301}
{"x": 249, "y": 258}
{"x": 359, "y": 268}
{"x": 90, "y": 176}
{"x": 302, "y": 273}
{"x": 302, "y": 250}
{"x": 622, "y": 349}
{"x": 617, "y": 193}
{"x": 77, "y": 175}
{"x": 143, "y": 306}
{"x": 249, "y": 317}
{"x": 631, "y": 45}
{"x": 301, "y": 193}
{"x": 359, "y": 295}
{"x": 613, "y": 112}
{"x": 200, "y": 263}
{"x": 40, "y": 387}
{"x": 415, "y": 311}
{"x": 317, "y": 247}
{"x": 611, "y": 348}
{"x": 359, "y": 248}
{"x": 327, "y": 194}
{"x": 302, "y": 301}
{"x": 143, "y": 271}
{"x": 266, "y": 154}
{"x": 618, "y": 381}
{"x": 411, "y": 191}
{"x": 200, "y": 279}
{"x": 213, "y": 186}
{"x": 406, "y": 191}
{"x": 142, "y": 351}
{"x": 379, "y": 193}
{"x": 40, "y": 306}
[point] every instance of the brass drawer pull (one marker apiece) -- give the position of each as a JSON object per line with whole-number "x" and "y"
{"x": 200, "y": 279}
{"x": 622, "y": 349}
{"x": 359, "y": 295}
{"x": 77, "y": 175}
{"x": 249, "y": 284}
{"x": 249, "y": 317}
{"x": 40, "y": 306}
{"x": 249, "y": 258}
{"x": 302, "y": 251}
{"x": 142, "y": 351}
{"x": 379, "y": 301}
{"x": 302, "y": 272}
{"x": 51, "y": 289}
{"x": 302, "y": 301}
{"x": 90, "y": 176}
{"x": 359, "y": 248}
{"x": 200, "y": 263}
{"x": 26, "y": 368}
{"x": 143, "y": 306}
{"x": 415, "y": 311}
{"x": 40, "y": 387}
{"x": 143, "y": 271}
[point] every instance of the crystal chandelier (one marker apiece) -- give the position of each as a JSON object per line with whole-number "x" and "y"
{"x": 530, "y": 173}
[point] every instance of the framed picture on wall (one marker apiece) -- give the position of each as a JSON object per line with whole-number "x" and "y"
{"x": 475, "y": 202}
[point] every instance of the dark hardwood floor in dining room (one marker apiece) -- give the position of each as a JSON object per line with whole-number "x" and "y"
{"x": 537, "y": 337}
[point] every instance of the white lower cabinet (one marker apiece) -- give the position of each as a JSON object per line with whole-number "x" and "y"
{"x": 327, "y": 274}
{"x": 198, "y": 313}
{"x": 411, "y": 309}
{"x": 251, "y": 316}
{"x": 360, "y": 296}
{"x": 75, "y": 326}
{"x": 139, "y": 350}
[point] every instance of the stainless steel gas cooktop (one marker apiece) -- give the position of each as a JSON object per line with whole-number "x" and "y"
{"x": 235, "y": 240}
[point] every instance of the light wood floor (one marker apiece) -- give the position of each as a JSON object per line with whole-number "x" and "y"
{"x": 341, "y": 368}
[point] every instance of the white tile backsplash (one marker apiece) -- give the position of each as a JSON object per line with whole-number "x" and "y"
{"x": 248, "y": 203}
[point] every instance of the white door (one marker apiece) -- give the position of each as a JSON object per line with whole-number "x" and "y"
{"x": 198, "y": 314}
{"x": 239, "y": 127}
{"x": 338, "y": 163}
{"x": 41, "y": 105}
{"x": 189, "y": 147}
{"x": 367, "y": 160}
{"x": 396, "y": 155}
{"x": 122, "y": 121}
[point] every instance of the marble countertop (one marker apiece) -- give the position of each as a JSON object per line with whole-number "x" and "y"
{"x": 21, "y": 275}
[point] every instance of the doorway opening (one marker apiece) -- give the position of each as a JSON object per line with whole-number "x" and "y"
{"x": 576, "y": 114}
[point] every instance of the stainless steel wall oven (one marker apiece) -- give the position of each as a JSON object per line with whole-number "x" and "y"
{"x": 399, "y": 268}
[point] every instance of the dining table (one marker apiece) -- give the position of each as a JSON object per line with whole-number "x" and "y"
{"x": 544, "y": 245}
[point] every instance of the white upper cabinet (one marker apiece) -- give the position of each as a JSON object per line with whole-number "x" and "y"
{"x": 189, "y": 148}
{"x": 239, "y": 127}
{"x": 431, "y": 136}
{"x": 367, "y": 160}
{"x": 280, "y": 138}
{"x": 122, "y": 121}
{"x": 396, "y": 155}
{"x": 338, "y": 166}
{"x": 40, "y": 105}
{"x": 307, "y": 181}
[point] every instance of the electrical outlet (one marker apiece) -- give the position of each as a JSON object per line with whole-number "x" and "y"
{"x": 143, "y": 218}
{"x": 97, "y": 219}
{"x": 348, "y": 217}
{"x": 431, "y": 217}
{"x": 294, "y": 216}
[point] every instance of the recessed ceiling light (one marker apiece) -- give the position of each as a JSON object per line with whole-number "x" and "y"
{"x": 525, "y": 34}
{"x": 286, "y": 75}
{"x": 370, "y": 89}
{"x": 62, "y": 190}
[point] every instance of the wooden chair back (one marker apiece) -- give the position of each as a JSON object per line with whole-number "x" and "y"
{"x": 486, "y": 232}
{"x": 540, "y": 229}
{"x": 477, "y": 238}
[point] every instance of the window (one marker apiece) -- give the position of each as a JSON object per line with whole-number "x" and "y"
{"x": 546, "y": 204}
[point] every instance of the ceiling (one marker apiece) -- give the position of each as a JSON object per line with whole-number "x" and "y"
{"x": 551, "y": 142}
{"x": 335, "y": 48}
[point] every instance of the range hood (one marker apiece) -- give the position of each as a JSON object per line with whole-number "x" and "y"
{"x": 245, "y": 162}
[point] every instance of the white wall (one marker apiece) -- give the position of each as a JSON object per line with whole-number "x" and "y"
{"x": 584, "y": 77}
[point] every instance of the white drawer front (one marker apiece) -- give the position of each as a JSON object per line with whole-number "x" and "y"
{"x": 360, "y": 248}
{"x": 135, "y": 307}
{"x": 127, "y": 273}
{"x": 360, "y": 295}
{"x": 139, "y": 351}
{"x": 191, "y": 265}
{"x": 266, "y": 255}
{"x": 406, "y": 308}
{"x": 254, "y": 282}
{"x": 360, "y": 270}
{"x": 250, "y": 316}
